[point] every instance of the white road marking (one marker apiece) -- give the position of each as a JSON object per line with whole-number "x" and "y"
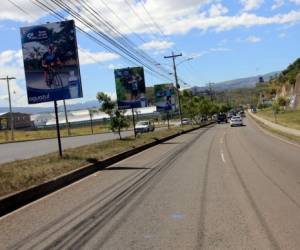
{"x": 223, "y": 158}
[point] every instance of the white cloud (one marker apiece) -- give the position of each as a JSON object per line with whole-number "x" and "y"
{"x": 157, "y": 45}
{"x": 253, "y": 39}
{"x": 217, "y": 10}
{"x": 172, "y": 16}
{"x": 277, "y": 4}
{"x": 251, "y": 4}
{"x": 89, "y": 57}
{"x": 26, "y": 11}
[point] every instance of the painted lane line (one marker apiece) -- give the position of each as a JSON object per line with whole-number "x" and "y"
{"x": 222, "y": 156}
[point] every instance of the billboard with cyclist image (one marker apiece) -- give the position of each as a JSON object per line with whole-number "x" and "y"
{"x": 165, "y": 97}
{"x": 130, "y": 87}
{"x": 51, "y": 62}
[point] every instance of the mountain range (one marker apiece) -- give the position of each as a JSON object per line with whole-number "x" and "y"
{"x": 247, "y": 82}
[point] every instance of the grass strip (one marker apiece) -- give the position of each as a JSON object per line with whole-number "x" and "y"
{"x": 22, "y": 174}
{"x": 278, "y": 132}
{"x": 287, "y": 118}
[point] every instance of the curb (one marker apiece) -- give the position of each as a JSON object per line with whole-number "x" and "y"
{"x": 19, "y": 199}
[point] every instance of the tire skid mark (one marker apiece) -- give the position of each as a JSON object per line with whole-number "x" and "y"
{"x": 106, "y": 193}
{"x": 201, "y": 223}
{"x": 261, "y": 219}
{"x": 83, "y": 231}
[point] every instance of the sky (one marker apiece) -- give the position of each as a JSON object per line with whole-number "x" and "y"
{"x": 225, "y": 39}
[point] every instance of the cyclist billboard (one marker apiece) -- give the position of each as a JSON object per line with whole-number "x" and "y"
{"x": 51, "y": 62}
{"x": 165, "y": 97}
{"x": 130, "y": 87}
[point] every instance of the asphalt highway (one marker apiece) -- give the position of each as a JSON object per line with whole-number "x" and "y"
{"x": 28, "y": 149}
{"x": 214, "y": 188}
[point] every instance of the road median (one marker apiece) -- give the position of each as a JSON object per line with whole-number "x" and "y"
{"x": 24, "y": 181}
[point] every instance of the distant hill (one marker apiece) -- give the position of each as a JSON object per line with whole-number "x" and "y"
{"x": 247, "y": 82}
{"x": 35, "y": 110}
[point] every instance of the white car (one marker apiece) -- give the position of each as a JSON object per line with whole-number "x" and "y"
{"x": 144, "y": 126}
{"x": 236, "y": 121}
{"x": 186, "y": 121}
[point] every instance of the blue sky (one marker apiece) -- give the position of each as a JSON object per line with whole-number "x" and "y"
{"x": 227, "y": 39}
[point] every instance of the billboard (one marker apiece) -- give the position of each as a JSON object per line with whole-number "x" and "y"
{"x": 51, "y": 62}
{"x": 165, "y": 97}
{"x": 130, "y": 87}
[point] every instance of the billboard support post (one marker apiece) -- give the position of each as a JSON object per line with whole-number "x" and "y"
{"x": 133, "y": 121}
{"x": 91, "y": 120}
{"x": 57, "y": 129}
{"x": 66, "y": 116}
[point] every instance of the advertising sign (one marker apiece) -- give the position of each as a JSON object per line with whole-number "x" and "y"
{"x": 130, "y": 87}
{"x": 165, "y": 97}
{"x": 51, "y": 62}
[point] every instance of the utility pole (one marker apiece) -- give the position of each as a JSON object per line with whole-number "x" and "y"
{"x": 173, "y": 56}
{"x": 211, "y": 91}
{"x": 10, "y": 109}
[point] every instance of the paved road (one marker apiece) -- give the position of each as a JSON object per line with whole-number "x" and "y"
{"x": 215, "y": 188}
{"x": 25, "y": 150}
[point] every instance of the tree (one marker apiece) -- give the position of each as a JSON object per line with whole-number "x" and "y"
{"x": 117, "y": 118}
{"x": 282, "y": 101}
{"x": 119, "y": 121}
{"x": 276, "y": 109}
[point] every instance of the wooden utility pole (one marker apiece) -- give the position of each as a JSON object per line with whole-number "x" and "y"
{"x": 174, "y": 56}
{"x": 10, "y": 108}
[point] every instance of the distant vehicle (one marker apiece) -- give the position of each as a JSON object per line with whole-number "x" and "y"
{"x": 253, "y": 110}
{"x": 144, "y": 127}
{"x": 242, "y": 114}
{"x": 186, "y": 121}
{"x": 236, "y": 121}
{"x": 222, "y": 118}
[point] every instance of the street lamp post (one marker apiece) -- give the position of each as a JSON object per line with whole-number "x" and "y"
{"x": 173, "y": 56}
{"x": 10, "y": 108}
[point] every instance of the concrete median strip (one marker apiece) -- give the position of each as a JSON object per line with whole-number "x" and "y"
{"x": 16, "y": 200}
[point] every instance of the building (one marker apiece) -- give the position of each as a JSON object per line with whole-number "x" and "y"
{"x": 82, "y": 117}
{"x": 20, "y": 120}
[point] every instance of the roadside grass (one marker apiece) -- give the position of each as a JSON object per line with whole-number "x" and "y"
{"x": 277, "y": 132}
{"x": 22, "y": 174}
{"x": 286, "y": 118}
{"x": 22, "y": 135}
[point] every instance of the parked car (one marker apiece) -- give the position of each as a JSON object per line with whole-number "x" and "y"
{"x": 144, "y": 126}
{"x": 221, "y": 118}
{"x": 236, "y": 121}
{"x": 186, "y": 121}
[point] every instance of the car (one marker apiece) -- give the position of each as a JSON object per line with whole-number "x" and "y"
{"x": 144, "y": 127}
{"x": 186, "y": 121}
{"x": 229, "y": 115}
{"x": 253, "y": 110}
{"x": 242, "y": 114}
{"x": 236, "y": 121}
{"x": 221, "y": 117}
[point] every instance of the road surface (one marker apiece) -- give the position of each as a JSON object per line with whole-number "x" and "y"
{"x": 29, "y": 149}
{"x": 214, "y": 188}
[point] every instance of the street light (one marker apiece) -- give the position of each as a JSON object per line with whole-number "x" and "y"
{"x": 10, "y": 109}
{"x": 185, "y": 60}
